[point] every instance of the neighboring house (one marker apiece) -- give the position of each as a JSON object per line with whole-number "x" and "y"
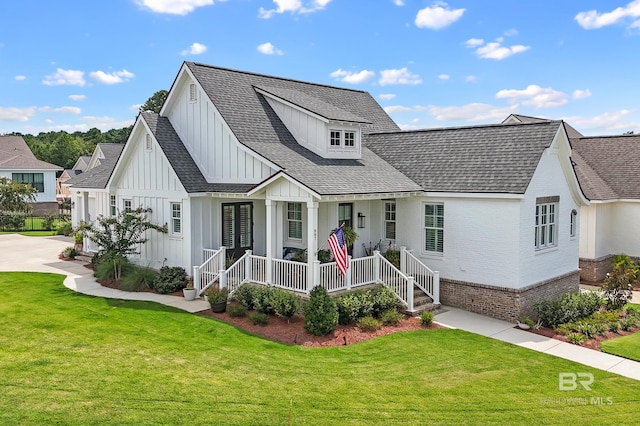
{"x": 607, "y": 167}
{"x": 86, "y": 206}
{"x": 62, "y": 191}
{"x": 18, "y": 163}
{"x": 267, "y": 164}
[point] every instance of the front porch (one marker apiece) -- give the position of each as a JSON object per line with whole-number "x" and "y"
{"x": 409, "y": 282}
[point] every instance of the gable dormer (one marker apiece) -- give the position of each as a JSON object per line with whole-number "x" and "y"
{"x": 321, "y": 127}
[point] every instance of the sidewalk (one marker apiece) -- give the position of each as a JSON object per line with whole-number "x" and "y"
{"x": 38, "y": 254}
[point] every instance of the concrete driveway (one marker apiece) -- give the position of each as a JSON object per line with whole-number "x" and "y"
{"x": 32, "y": 254}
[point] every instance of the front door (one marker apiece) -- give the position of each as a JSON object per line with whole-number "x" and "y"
{"x": 237, "y": 228}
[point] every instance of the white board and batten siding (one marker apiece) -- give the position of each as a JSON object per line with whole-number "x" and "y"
{"x": 209, "y": 140}
{"x": 147, "y": 179}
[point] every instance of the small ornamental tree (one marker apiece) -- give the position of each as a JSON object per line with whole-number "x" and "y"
{"x": 618, "y": 283}
{"x": 16, "y": 196}
{"x": 120, "y": 236}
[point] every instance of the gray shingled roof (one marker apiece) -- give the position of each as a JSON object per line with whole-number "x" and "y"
{"x": 98, "y": 177}
{"x": 607, "y": 166}
{"x": 15, "y": 154}
{"x": 480, "y": 159}
{"x": 181, "y": 161}
{"x": 257, "y": 126}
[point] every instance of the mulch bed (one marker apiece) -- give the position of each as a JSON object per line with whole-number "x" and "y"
{"x": 591, "y": 343}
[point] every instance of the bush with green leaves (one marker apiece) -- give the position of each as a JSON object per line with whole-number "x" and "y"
{"x": 237, "y": 311}
{"x": 575, "y": 338}
{"x": 47, "y": 221}
{"x": 618, "y": 283}
{"x": 369, "y": 324}
{"x": 320, "y": 312}
{"x": 139, "y": 279}
{"x": 170, "y": 279}
{"x": 284, "y": 303}
{"x": 245, "y": 295}
{"x": 383, "y": 298}
{"x": 568, "y": 308}
{"x": 628, "y": 323}
{"x": 112, "y": 268}
{"x": 69, "y": 252}
{"x": 391, "y": 317}
{"x": 426, "y": 318}
{"x": 614, "y": 326}
{"x": 262, "y": 299}
{"x": 259, "y": 318}
{"x": 12, "y": 221}
{"x": 353, "y": 306}
{"x": 393, "y": 256}
{"x": 632, "y": 310}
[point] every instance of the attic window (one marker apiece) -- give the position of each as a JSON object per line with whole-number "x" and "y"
{"x": 342, "y": 139}
{"x": 192, "y": 93}
{"x": 148, "y": 142}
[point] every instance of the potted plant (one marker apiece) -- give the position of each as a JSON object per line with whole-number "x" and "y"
{"x": 189, "y": 292}
{"x": 525, "y": 323}
{"x": 217, "y": 298}
{"x": 78, "y": 239}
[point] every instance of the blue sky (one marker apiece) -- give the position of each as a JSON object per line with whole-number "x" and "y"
{"x": 76, "y": 64}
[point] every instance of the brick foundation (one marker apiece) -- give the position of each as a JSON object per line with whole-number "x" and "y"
{"x": 44, "y": 208}
{"x": 505, "y": 303}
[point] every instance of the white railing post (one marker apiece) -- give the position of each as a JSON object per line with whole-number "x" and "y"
{"x": 316, "y": 276}
{"x": 410, "y": 293}
{"x": 403, "y": 260}
{"x": 347, "y": 276}
{"x": 222, "y": 264}
{"x": 247, "y": 266}
{"x": 196, "y": 278}
{"x": 376, "y": 266}
{"x": 223, "y": 278}
{"x": 436, "y": 287}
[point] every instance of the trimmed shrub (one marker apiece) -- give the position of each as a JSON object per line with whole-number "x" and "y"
{"x": 568, "y": 308}
{"x": 262, "y": 299}
{"x": 245, "y": 295}
{"x": 575, "y": 338}
{"x": 383, "y": 298}
{"x": 426, "y": 318}
{"x": 320, "y": 312}
{"x": 628, "y": 323}
{"x": 170, "y": 279}
{"x": 353, "y": 306}
{"x": 369, "y": 324}
{"x": 259, "y": 318}
{"x": 632, "y": 311}
{"x": 237, "y": 311}
{"x": 391, "y": 317}
{"x": 284, "y": 303}
{"x": 588, "y": 330}
{"x": 139, "y": 279}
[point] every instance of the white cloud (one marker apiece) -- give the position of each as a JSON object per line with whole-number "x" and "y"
{"x": 399, "y": 109}
{"x": 471, "y": 112}
{"x": 65, "y": 78}
{"x": 111, "y": 78}
{"x": 293, "y": 6}
{"x": 16, "y": 114}
{"x": 20, "y": 77}
{"x": 386, "y": 96}
{"x": 135, "y": 108}
{"x": 67, "y": 110}
{"x": 353, "y": 77}
{"x": 88, "y": 122}
{"x": 174, "y": 7}
{"x": 437, "y": 16}
{"x": 398, "y": 76}
{"x": 606, "y": 123}
{"x": 474, "y": 42}
{"x": 470, "y": 78}
{"x": 444, "y": 77}
{"x": 398, "y": 2}
{"x": 194, "y": 49}
{"x": 511, "y": 32}
{"x": 535, "y": 96}
{"x": 495, "y": 50}
{"x": 77, "y": 97}
{"x": 269, "y": 49}
{"x": 593, "y": 20}
{"x": 581, "y": 94}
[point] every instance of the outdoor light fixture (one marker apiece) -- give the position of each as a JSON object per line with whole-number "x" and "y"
{"x": 361, "y": 219}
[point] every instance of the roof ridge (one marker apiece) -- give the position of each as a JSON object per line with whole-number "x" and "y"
{"x": 608, "y": 136}
{"x": 274, "y": 77}
{"x": 478, "y": 126}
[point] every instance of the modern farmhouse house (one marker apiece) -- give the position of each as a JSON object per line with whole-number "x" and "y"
{"x": 263, "y": 165}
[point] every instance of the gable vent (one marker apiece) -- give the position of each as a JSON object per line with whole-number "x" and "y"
{"x": 192, "y": 92}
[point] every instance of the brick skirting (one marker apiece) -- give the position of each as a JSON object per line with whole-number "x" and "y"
{"x": 505, "y": 303}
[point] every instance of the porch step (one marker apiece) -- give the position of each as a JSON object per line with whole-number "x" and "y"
{"x": 422, "y": 302}
{"x": 84, "y": 257}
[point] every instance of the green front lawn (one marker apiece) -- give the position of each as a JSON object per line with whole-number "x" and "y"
{"x": 627, "y": 346}
{"x": 32, "y": 233}
{"x": 74, "y": 359}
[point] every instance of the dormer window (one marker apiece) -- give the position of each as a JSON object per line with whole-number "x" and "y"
{"x": 342, "y": 139}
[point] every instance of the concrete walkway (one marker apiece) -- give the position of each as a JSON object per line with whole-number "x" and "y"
{"x": 40, "y": 254}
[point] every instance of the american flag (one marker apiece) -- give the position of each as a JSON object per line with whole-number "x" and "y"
{"x": 339, "y": 250}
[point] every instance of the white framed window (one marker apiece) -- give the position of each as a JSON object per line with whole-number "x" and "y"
{"x": 390, "y": 220}
{"x": 193, "y": 93}
{"x": 36, "y": 180}
{"x": 546, "y": 223}
{"x": 434, "y": 228}
{"x": 342, "y": 138}
{"x": 349, "y": 139}
{"x": 176, "y": 218}
{"x": 147, "y": 142}
{"x": 573, "y": 223}
{"x": 112, "y": 205}
{"x": 336, "y": 136}
{"x": 294, "y": 220}
{"x": 126, "y": 206}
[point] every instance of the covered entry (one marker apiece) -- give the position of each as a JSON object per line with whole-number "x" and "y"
{"x": 237, "y": 228}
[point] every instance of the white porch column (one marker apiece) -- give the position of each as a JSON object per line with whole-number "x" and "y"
{"x": 312, "y": 241}
{"x": 271, "y": 236}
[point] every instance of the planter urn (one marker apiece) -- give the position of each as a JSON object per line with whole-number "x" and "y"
{"x": 189, "y": 293}
{"x": 218, "y": 307}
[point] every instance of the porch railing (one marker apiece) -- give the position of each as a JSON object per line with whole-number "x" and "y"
{"x": 294, "y": 276}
